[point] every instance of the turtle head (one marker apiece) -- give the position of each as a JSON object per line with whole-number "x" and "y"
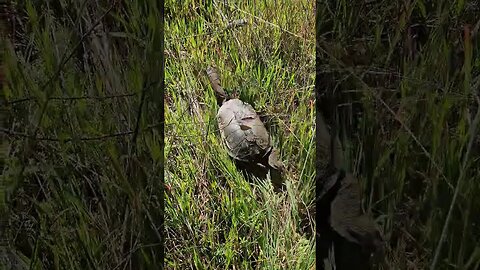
{"x": 215, "y": 83}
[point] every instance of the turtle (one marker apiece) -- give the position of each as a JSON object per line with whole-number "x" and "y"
{"x": 245, "y": 136}
{"x": 356, "y": 238}
{"x": 341, "y": 221}
{"x": 348, "y": 219}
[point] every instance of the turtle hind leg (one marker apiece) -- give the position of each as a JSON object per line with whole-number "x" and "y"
{"x": 277, "y": 180}
{"x": 249, "y": 169}
{"x": 256, "y": 170}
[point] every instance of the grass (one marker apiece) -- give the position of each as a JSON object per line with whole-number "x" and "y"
{"x": 82, "y": 133}
{"x": 82, "y": 139}
{"x": 412, "y": 71}
{"x": 215, "y": 219}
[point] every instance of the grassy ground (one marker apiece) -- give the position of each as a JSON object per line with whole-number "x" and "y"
{"x": 81, "y": 140}
{"x": 80, "y": 184}
{"x": 215, "y": 219}
{"x": 409, "y": 76}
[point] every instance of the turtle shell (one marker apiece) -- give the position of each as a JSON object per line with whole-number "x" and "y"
{"x": 242, "y": 131}
{"x": 348, "y": 220}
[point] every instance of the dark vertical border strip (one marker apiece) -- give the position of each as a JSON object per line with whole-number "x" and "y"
{"x": 156, "y": 79}
{"x": 327, "y": 154}
{"x": 3, "y": 115}
{"x": 162, "y": 132}
{"x": 318, "y": 263}
{"x": 320, "y": 223}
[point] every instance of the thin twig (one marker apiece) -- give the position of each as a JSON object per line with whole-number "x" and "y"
{"x": 139, "y": 113}
{"x": 230, "y": 26}
{"x": 27, "y": 99}
{"x": 53, "y": 139}
{"x": 267, "y": 22}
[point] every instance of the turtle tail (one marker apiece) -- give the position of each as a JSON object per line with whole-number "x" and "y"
{"x": 217, "y": 88}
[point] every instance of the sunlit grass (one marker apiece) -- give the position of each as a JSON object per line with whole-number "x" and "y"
{"x": 215, "y": 219}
